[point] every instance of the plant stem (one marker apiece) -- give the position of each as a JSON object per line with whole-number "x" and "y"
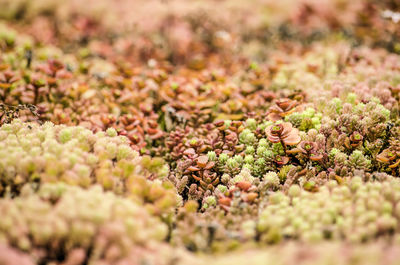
{"x": 283, "y": 145}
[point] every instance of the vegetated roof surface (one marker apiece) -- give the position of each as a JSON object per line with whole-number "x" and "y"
{"x": 199, "y": 132}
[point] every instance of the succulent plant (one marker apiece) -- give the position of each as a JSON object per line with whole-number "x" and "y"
{"x": 283, "y": 108}
{"x": 65, "y": 219}
{"x": 310, "y": 149}
{"x": 76, "y": 156}
{"x": 386, "y": 156}
{"x": 295, "y": 215}
{"x": 283, "y": 133}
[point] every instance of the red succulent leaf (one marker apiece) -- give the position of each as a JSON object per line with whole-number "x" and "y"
{"x": 395, "y": 164}
{"x": 193, "y": 169}
{"x": 225, "y": 201}
{"x": 243, "y": 185}
{"x": 189, "y": 152}
{"x": 249, "y": 197}
{"x": 316, "y": 157}
{"x": 202, "y": 161}
{"x": 210, "y": 165}
{"x": 386, "y": 156}
{"x": 281, "y": 160}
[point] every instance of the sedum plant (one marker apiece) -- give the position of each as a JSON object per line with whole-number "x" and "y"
{"x": 354, "y": 212}
{"x": 60, "y": 220}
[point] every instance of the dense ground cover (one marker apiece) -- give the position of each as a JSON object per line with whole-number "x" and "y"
{"x": 199, "y": 132}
